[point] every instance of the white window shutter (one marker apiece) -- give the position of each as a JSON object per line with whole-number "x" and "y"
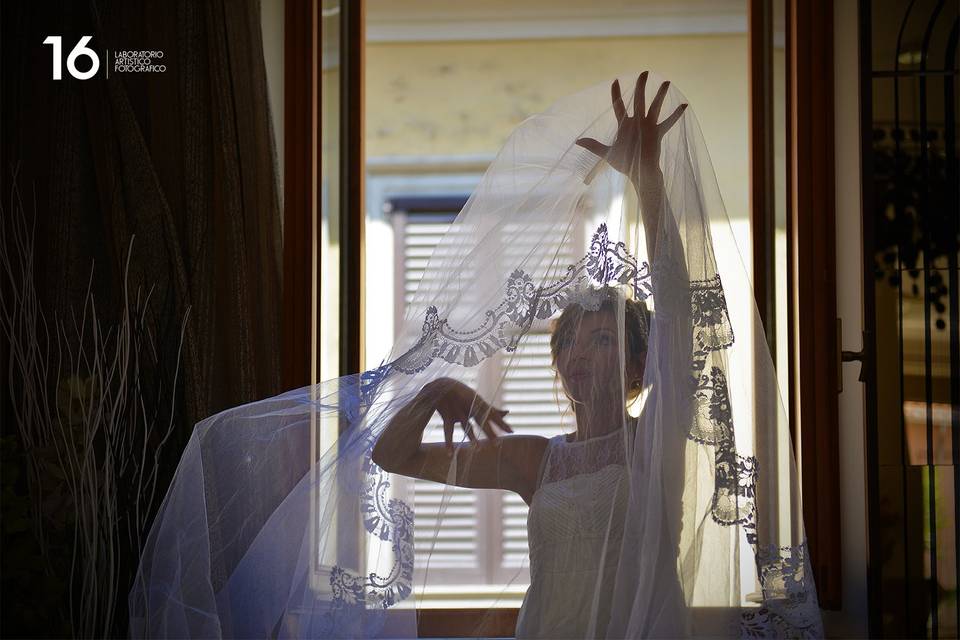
{"x": 483, "y": 536}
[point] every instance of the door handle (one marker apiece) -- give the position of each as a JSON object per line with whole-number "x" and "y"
{"x": 862, "y": 356}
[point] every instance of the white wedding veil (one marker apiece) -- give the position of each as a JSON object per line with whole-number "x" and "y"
{"x": 679, "y": 515}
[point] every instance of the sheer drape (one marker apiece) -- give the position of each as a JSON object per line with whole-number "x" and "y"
{"x": 672, "y": 511}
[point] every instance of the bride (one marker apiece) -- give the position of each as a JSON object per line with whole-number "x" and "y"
{"x": 672, "y": 510}
{"x": 589, "y": 357}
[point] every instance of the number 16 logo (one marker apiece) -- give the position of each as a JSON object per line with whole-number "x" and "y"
{"x": 80, "y": 50}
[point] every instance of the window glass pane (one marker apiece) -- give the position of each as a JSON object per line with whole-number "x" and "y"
{"x": 782, "y": 345}
{"x": 446, "y": 83}
{"x": 328, "y": 255}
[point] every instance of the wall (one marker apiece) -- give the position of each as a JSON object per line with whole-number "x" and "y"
{"x": 456, "y": 99}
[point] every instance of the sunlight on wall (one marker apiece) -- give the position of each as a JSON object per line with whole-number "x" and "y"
{"x": 451, "y": 99}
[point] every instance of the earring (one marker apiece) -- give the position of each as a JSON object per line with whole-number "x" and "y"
{"x": 636, "y": 384}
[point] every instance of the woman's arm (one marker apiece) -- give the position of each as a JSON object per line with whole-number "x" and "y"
{"x": 635, "y": 152}
{"x": 498, "y": 462}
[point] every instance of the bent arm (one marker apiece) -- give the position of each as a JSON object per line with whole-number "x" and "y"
{"x": 506, "y": 462}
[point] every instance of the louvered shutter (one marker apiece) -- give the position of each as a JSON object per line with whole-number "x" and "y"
{"x": 531, "y": 392}
{"x": 452, "y": 553}
{"x": 421, "y": 234}
{"x": 457, "y": 555}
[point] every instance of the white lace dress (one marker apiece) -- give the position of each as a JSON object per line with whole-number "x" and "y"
{"x": 574, "y": 529}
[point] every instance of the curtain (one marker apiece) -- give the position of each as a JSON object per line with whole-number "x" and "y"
{"x": 162, "y": 182}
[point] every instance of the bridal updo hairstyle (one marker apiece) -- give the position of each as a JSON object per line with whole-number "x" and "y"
{"x": 636, "y": 322}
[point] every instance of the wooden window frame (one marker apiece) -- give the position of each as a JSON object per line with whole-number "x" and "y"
{"x": 813, "y": 348}
{"x": 301, "y": 174}
{"x": 814, "y": 354}
{"x": 352, "y": 190}
{"x": 301, "y": 188}
{"x": 761, "y": 161}
{"x": 813, "y": 341}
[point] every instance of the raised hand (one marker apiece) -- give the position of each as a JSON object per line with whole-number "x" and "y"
{"x": 458, "y": 403}
{"x": 635, "y": 151}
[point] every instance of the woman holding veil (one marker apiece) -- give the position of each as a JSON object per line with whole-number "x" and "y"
{"x": 671, "y": 510}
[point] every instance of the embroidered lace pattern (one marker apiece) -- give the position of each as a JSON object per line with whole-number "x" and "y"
{"x": 790, "y": 608}
{"x": 568, "y": 459}
{"x": 788, "y": 603}
{"x": 389, "y": 520}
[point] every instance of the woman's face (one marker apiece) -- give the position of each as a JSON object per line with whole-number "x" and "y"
{"x": 589, "y": 361}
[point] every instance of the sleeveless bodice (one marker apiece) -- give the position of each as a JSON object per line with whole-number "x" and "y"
{"x": 574, "y": 529}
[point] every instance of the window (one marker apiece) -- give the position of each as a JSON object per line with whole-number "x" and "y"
{"x": 448, "y": 102}
{"x": 464, "y": 569}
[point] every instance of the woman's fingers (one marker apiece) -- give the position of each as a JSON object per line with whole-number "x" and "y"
{"x": 639, "y": 95}
{"x": 468, "y": 429}
{"x": 465, "y": 407}
{"x": 487, "y": 427}
{"x": 448, "y": 428}
{"x": 669, "y": 122}
{"x": 497, "y": 417}
{"x": 658, "y": 101}
{"x": 486, "y": 416}
{"x": 618, "y": 109}
{"x": 492, "y": 432}
{"x": 461, "y": 405}
{"x": 491, "y": 417}
{"x": 594, "y": 146}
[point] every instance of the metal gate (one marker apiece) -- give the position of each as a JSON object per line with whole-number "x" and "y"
{"x": 908, "y": 72}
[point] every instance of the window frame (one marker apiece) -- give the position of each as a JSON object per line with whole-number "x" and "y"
{"x": 301, "y": 76}
{"x": 813, "y": 353}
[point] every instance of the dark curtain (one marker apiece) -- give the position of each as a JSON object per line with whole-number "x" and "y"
{"x": 182, "y": 163}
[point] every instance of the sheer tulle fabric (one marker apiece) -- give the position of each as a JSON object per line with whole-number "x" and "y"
{"x": 681, "y": 519}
